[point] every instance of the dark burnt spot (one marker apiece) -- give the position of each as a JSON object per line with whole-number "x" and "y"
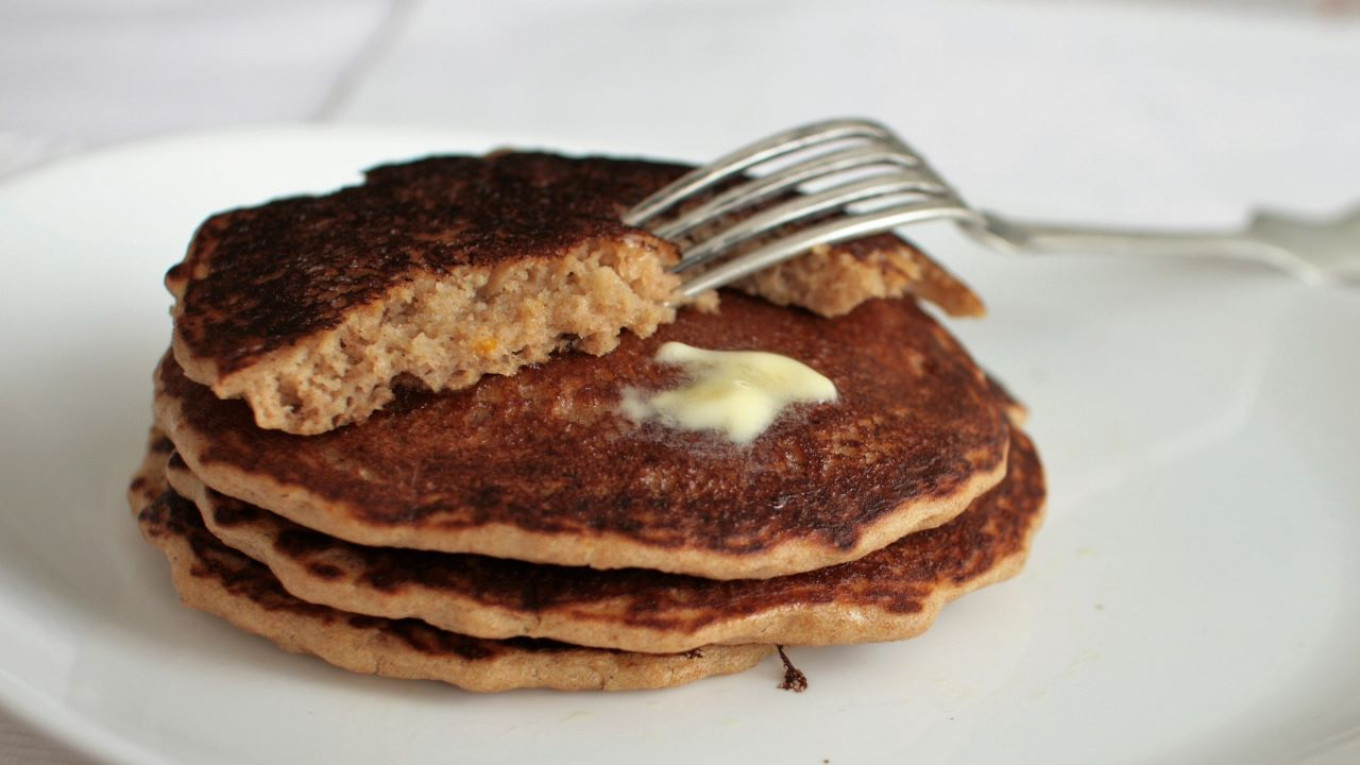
{"x": 384, "y": 578}
{"x": 153, "y": 516}
{"x": 844, "y": 537}
{"x": 434, "y": 642}
{"x": 485, "y": 497}
{"x": 325, "y": 570}
{"x": 231, "y": 512}
{"x": 538, "y": 645}
{"x": 361, "y": 622}
{"x": 297, "y": 542}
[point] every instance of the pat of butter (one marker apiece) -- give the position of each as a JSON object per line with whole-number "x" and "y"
{"x": 737, "y": 393}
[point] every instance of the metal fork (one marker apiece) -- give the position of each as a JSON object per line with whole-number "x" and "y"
{"x": 856, "y": 178}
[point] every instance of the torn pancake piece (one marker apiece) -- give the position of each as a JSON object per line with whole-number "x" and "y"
{"x": 437, "y": 273}
{"x": 434, "y": 273}
{"x": 831, "y": 280}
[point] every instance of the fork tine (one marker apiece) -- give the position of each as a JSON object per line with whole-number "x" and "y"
{"x": 834, "y": 231}
{"x": 823, "y": 165}
{"x": 806, "y": 206}
{"x": 764, "y": 150}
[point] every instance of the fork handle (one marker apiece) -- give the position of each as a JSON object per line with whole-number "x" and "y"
{"x": 1031, "y": 237}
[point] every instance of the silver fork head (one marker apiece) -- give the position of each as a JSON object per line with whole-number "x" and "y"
{"x": 842, "y": 179}
{"x": 856, "y": 177}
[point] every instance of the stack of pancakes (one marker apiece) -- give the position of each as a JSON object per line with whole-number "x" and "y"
{"x": 388, "y": 434}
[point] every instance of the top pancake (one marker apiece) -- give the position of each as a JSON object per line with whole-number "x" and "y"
{"x": 442, "y": 270}
{"x": 257, "y": 279}
{"x": 540, "y": 467}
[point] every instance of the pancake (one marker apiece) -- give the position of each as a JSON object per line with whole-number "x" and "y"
{"x": 433, "y": 273}
{"x": 890, "y": 594}
{"x": 214, "y": 578}
{"x": 539, "y": 466}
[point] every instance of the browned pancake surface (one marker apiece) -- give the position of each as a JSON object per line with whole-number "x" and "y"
{"x": 892, "y": 593}
{"x": 215, "y": 578}
{"x": 260, "y": 278}
{"x": 256, "y": 280}
{"x": 172, "y": 515}
{"x": 539, "y": 466}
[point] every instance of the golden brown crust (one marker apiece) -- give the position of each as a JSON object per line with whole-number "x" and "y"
{"x": 538, "y": 467}
{"x": 890, "y": 594}
{"x": 211, "y": 577}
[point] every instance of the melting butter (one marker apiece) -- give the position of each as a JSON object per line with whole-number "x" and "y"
{"x": 737, "y": 393}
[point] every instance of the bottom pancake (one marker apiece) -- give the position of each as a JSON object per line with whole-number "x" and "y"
{"x": 214, "y": 578}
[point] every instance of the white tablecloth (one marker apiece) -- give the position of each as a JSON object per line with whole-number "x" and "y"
{"x": 1157, "y": 112}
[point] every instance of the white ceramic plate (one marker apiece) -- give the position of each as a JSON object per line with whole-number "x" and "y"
{"x": 1195, "y": 595}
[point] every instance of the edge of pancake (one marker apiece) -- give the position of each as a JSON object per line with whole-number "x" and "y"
{"x": 406, "y": 649}
{"x": 604, "y": 550}
{"x": 811, "y": 623}
{"x": 149, "y": 480}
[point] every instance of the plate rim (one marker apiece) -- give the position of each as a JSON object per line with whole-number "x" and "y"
{"x": 68, "y": 726}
